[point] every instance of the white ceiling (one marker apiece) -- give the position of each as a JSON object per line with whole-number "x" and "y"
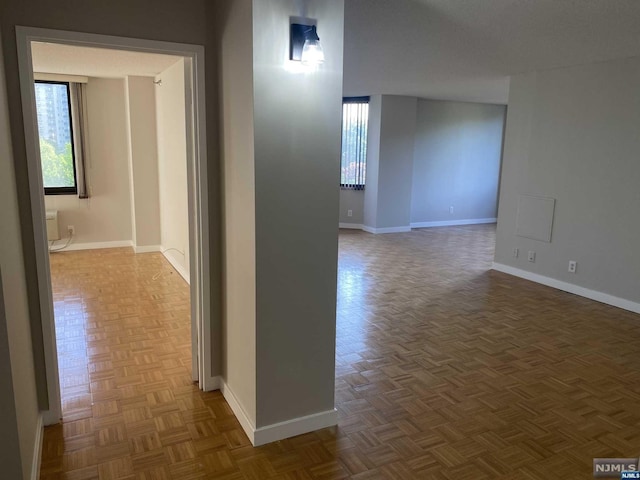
{"x": 97, "y": 62}
{"x": 467, "y": 49}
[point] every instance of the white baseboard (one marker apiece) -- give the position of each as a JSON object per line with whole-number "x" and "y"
{"x": 353, "y": 226}
{"x": 95, "y": 245}
{"x": 450, "y": 223}
{"x": 386, "y": 229}
{"x": 147, "y": 248}
{"x": 278, "y": 431}
{"x": 447, "y": 223}
{"x": 212, "y": 383}
{"x": 246, "y": 424}
{"x": 37, "y": 449}
{"x": 169, "y": 255}
{"x": 296, "y": 426}
{"x": 570, "y": 287}
{"x": 50, "y": 417}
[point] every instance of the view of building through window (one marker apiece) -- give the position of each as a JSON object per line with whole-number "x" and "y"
{"x": 54, "y": 128}
{"x": 355, "y": 119}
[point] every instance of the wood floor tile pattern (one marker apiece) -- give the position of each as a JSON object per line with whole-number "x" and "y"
{"x": 445, "y": 370}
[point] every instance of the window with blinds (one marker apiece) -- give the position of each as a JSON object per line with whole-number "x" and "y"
{"x": 355, "y": 120}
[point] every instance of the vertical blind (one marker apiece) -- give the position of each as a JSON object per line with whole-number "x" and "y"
{"x": 355, "y": 119}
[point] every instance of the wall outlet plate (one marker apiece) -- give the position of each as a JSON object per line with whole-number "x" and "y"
{"x": 532, "y": 256}
{"x": 573, "y": 265}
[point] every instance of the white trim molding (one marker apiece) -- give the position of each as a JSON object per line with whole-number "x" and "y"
{"x": 95, "y": 245}
{"x": 446, "y": 223}
{"x": 169, "y": 255}
{"x": 451, "y": 223}
{"x": 50, "y": 417}
{"x": 386, "y": 229}
{"x": 147, "y": 248}
{"x": 56, "y": 77}
{"x": 281, "y": 430}
{"x": 113, "y": 244}
{"x": 295, "y": 426}
{"x": 569, "y": 287}
{"x": 212, "y": 383}
{"x": 37, "y": 449}
{"x": 351, "y": 226}
{"x": 245, "y": 422}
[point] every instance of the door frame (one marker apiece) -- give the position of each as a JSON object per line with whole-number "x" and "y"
{"x": 198, "y": 195}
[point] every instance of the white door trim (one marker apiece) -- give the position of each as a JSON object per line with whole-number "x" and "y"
{"x": 198, "y": 193}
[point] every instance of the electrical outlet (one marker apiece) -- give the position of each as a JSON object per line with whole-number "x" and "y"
{"x": 451, "y": 210}
{"x": 573, "y": 265}
{"x": 349, "y": 213}
{"x": 516, "y": 252}
{"x": 71, "y": 230}
{"x": 532, "y": 256}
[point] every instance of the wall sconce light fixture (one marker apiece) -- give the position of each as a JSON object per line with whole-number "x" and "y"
{"x": 305, "y": 45}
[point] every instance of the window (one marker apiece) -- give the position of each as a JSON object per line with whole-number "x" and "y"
{"x": 53, "y": 107}
{"x": 355, "y": 119}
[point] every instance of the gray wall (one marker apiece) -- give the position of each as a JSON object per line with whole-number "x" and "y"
{"x": 572, "y": 134}
{"x": 352, "y": 200}
{"x": 297, "y": 125}
{"x": 397, "y": 143}
{"x": 390, "y": 150}
{"x": 457, "y": 161}
{"x": 10, "y": 455}
{"x": 18, "y": 395}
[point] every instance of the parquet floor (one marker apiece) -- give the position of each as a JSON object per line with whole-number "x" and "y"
{"x": 445, "y": 370}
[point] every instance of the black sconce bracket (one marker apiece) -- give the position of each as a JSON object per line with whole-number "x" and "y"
{"x": 300, "y": 33}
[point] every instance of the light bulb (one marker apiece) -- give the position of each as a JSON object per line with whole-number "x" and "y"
{"x": 312, "y": 53}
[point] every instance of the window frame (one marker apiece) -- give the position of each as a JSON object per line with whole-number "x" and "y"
{"x": 347, "y": 100}
{"x": 61, "y": 190}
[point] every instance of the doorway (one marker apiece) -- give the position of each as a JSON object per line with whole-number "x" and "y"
{"x": 196, "y": 173}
